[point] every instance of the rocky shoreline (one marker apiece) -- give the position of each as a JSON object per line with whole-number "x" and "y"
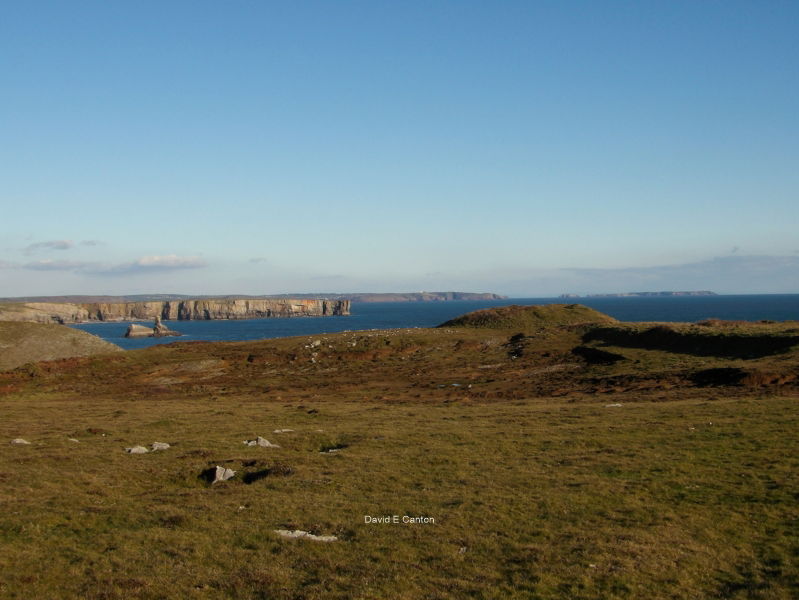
{"x": 182, "y": 310}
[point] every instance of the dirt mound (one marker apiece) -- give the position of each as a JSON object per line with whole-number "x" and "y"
{"x": 22, "y": 343}
{"x": 526, "y": 318}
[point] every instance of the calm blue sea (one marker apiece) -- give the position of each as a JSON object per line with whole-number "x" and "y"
{"x": 388, "y": 315}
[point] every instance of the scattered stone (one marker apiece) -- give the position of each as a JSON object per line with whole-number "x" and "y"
{"x": 612, "y": 405}
{"x": 462, "y": 550}
{"x": 331, "y": 451}
{"x": 223, "y": 474}
{"x": 282, "y": 431}
{"x": 137, "y": 450}
{"x": 298, "y": 533}
{"x": 73, "y": 440}
{"x": 159, "y": 446}
{"x": 20, "y": 442}
{"x": 259, "y": 441}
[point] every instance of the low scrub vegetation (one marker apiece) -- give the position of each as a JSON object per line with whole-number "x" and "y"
{"x": 515, "y": 466}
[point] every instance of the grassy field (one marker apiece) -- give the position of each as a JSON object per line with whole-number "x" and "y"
{"x": 22, "y": 343}
{"x": 547, "y": 474}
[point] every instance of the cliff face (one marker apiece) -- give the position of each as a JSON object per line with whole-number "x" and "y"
{"x": 182, "y": 310}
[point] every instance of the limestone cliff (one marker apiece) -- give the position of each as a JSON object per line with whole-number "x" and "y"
{"x": 182, "y": 310}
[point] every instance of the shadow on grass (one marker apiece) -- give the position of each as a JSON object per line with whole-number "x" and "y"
{"x": 725, "y": 345}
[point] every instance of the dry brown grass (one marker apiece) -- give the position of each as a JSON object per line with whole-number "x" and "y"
{"x": 539, "y": 487}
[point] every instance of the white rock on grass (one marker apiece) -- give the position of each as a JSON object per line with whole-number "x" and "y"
{"x": 612, "y": 405}
{"x": 223, "y": 474}
{"x": 136, "y": 450}
{"x": 20, "y": 442}
{"x": 259, "y": 441}
{"x": 298, "y": 533}
{"x": 283, "y": 431}
{"x": 73, "y": 440}
{"x": 159, "y": 446}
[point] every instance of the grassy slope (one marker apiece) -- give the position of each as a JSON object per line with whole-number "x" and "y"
{"x": 538, "y": 487}
{"x": 22, "y": 343}
{"x": 526, "y": 318}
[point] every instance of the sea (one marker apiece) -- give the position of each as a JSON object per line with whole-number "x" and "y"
{"x": 392, "y": 315}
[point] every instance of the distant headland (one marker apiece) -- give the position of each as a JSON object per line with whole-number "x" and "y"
{"x": 80, "y": 309}
{"x": 181, "y": 310}
{"x": 641, "y": 294}
{"x": 353, "y": 297}
{"x": 408, "y": 296}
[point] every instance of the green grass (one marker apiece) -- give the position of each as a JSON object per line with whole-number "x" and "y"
{"x": 527, "y": 318}
{"x": 22, "y": 342}
{"x": 538, "y": 488}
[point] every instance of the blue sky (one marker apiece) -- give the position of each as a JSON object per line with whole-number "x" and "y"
{"x": 526, "y": 148}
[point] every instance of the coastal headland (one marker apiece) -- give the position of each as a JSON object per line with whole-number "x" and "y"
{"x": 352, "y": 297}
{"x": 180, "y": 310}
{"x": 539, "y": 451}
{"x": 643, "y": 294}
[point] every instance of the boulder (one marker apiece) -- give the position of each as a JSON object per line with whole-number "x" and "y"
{"x": 223, "y": 474}
{"x": 259, "y": 441}
{"x": 159, "y": 446}
{"x": 136, "y": 450}
{"x": 298, "y": 533}
{"x": 20, "y": 442}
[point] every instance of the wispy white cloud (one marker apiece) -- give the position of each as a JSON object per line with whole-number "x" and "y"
{"x": 142, "y": 265}
{"x": 59, "y": 265}
{"x": 726, "y": 275}
{"x": 149, "y": 264}
{"x": 170, "y": 261}
{"x": 49, "y": 245}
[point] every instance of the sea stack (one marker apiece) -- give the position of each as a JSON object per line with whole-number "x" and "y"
{"x": 158, "y": 330}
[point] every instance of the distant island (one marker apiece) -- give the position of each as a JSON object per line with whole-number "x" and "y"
{"x": 353, "y": 297}
{"x": 641, "y": 294}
